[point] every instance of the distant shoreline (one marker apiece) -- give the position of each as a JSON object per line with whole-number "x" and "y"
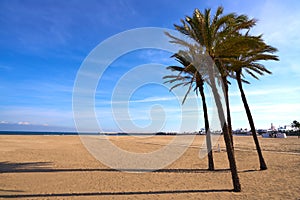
{"x": 61, "y": 133}
{"x": 87, "y": 133}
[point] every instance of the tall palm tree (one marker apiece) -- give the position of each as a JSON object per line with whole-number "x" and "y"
{"x": 213, "y": 34}
{"x": 189, "y": 75}
{"x": 254, "y": 50}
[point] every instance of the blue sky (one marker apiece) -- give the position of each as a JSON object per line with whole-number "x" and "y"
{"x": 43, "y": 44}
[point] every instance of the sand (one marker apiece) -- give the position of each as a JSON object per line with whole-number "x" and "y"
{"x": 60, "y": 167}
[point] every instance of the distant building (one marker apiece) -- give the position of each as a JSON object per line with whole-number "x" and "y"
{"x": 286, "y": 128}
{"x": 241, "y": 131}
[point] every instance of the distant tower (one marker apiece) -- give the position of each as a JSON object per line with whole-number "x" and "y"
{"x": 272, "y": 127}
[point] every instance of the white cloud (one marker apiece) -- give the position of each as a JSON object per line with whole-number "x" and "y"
{"x": 35, "y": 116}
{"x": 145, "y": 100}
{"x": 24, "y": 123}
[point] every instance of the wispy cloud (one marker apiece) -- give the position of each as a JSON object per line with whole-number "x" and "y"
{"x": 286, "y": 19}
{"x": 34, "y": 115}
{"x": 26, "y": 126}
{"x": 52, "y": 25}
{"x": 145, "y": 100}
{"x": 24, "y": 123}
{"x": 5, "y": 67}
{"x": 156, "y": 56}
{"x": 269, "y": 91}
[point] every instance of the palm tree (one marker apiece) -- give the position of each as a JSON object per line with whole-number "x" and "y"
{"x": 189, "y": 75}
{"x": 213, "y": 34}
{"x": 254, "y": 50}
{"x": 295, "y": 124}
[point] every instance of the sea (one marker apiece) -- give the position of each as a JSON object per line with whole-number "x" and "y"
{"x": 69, "y": 133}
{"x": 38, "y": 133}
{"x": 85, "y": 133}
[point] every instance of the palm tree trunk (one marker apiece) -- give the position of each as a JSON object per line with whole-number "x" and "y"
{"x": 263, "y": 165}
{"x": 207, "y": 130}
{"x": 229, "y": 149}
{"x": 224, "y": 79}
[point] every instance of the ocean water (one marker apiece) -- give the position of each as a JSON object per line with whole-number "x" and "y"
{"x": 38, "y": 133}
{"x": 85, "y": 133}
{"x": 65, "y": 133}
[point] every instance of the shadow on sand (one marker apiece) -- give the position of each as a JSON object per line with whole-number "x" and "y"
{"x": 112, "y": 193}
{"x": 41, "y": 167}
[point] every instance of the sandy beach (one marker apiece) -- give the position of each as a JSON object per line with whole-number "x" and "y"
{"x": 60, "y": 167}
